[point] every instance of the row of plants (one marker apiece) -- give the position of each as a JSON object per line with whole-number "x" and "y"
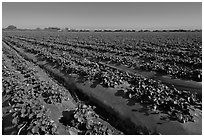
{"x": 183, "y": 63}
{"x": 29, "y": 97}
{"x": 145, "y": 91}
{"x": 178, "y": 105}
{"x": 30, "y": 116}
{"x": 176, "y": 55}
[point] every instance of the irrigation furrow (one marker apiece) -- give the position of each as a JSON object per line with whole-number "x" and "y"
{"x": 18, "y": 53}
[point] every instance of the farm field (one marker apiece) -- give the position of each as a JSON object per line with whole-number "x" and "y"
{"x": 101, "y": 83}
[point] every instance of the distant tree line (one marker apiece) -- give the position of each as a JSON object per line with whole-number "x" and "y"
{"x": 52, "y": 29}
{"x": 75, "y": 30}
{"x": 12, "y": 27}
{"x": 118, "y": 30}
{"x": 178, "y": 30}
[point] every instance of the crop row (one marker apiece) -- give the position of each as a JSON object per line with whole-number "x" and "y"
{"x": 158, "y": 97}
{"x": 184, "y": 62}
{"x": 28, "y": 98}
{"x": 27, "y": 111}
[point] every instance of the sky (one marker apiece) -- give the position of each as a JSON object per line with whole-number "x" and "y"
{"x": 106, "y": 15}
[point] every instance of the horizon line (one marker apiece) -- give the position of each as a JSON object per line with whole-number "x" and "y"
{"x": 62, "y": 28}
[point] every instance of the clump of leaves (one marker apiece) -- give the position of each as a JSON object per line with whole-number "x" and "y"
{"x": 87, "y": 122}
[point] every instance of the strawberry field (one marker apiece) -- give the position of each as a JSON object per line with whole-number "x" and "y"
{"x": 101, "y": 83}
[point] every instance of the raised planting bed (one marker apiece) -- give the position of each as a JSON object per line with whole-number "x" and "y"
{"x": 35, "y": 103}
{"x": 180, "y": 84}
{"x": 132, "y": 117}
